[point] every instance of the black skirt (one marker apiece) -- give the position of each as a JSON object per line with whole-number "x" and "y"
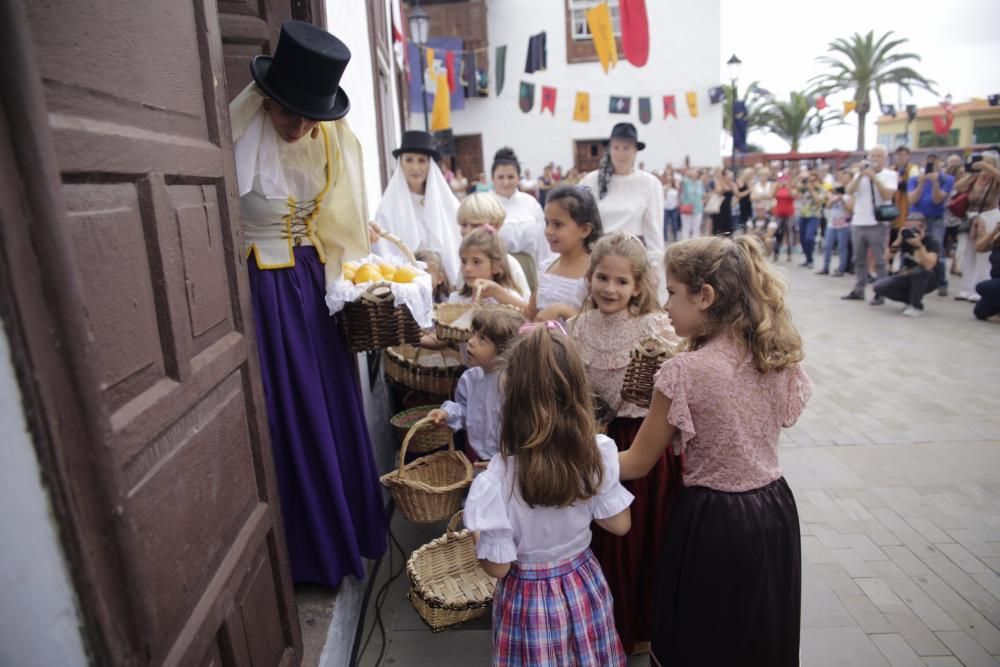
{"x": 729, "y": 587}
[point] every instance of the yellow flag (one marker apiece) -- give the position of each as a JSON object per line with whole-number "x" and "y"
{"x": 850, "y": 106}
{"x": 441, "y": 112}
{"x": 581, "y": 110}
{"x": 429, "y": 62}
{"x": 599, "y": 22}
{"x": 692, "y": 100}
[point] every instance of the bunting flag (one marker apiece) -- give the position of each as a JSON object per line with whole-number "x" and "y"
{"x": 716, "y": 94}
{"x": 645, "y": 111}
{"x": 449, "y": 66}
{"x": 692, "y": 100}
{"x": 994, "y": 100}
{"x": 548, "y": 99}
{"x": 942, "y": 125}
{"x": 911, "y": 112}
{"x": 537, "y": 58}
{"x": 501, "y": 67}
{"x": 889, "y": 110}
{"x": 599, "y": 22}
{"x": 635, "y": 31}
{"x": 620, "y": 105}
{"x": 740, "y": 126}
{"x": 821, "y": 102}
{"x": 849, "y": 106}
{"x": 669, "y": 106}
{"x": 581, "y": 109}
{"x": 526, "y": 98}
{"x": 441, "y": 111}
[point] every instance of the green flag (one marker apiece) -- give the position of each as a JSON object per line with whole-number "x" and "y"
{"x": 501, "y": 67}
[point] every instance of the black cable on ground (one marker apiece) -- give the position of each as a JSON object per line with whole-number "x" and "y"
{"x": 359, "y": 630}
{"x": 380, "y": 598}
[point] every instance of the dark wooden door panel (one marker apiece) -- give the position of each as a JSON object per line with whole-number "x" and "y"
{"x": 131, "y": 101}
{"x": 248, "y": 28}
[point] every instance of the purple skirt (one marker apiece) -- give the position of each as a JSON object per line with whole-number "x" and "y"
{"x": 331, "y": 501}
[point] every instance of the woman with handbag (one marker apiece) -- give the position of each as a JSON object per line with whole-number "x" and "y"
{"x": 982, "y": 188}
{"x": 692, "y": 203}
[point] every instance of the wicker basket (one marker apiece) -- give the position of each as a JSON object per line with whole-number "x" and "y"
{"x": 431, "y": 488}
{"x": 446, "y": 313}
{"x": 646, "y": 359}
{"x": 425, "y": 440}
{"x": 434, "y": 372}
{"x": 374, "y": 322}
{"x": 447, "y": 584}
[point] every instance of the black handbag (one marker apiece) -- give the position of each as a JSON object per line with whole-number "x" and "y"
{"x": 885, "y": 212}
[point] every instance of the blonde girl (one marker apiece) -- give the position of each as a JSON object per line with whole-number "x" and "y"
{"x": 572, "y": 226}
{"x": 485, "y": 271}
{"x": 621, "y": 311}
{"x": 731, "y": 564}
{"x": 531, "y": 510}
{"x": 483, "y": 208}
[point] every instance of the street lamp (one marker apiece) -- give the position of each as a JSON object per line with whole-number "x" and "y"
{"x": 733, "y": 65}
{"x": 420, "y": 22}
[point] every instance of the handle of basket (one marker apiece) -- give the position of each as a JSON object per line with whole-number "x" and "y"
{"x": 477, "y": 295}
{"x": 453, "y": 523}
{"x": 423, "y": 423}
{"x": 395, "y": 240}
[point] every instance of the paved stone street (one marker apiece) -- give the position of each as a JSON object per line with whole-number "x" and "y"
{"x": 895, "y": 466}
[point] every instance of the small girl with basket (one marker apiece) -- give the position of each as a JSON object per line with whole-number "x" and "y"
{"x": 728, "y": 590}
{"x": 572, "y": 226}
{"x": 531, "y": 510}
{"x": 621, "y": 313}
{"x": 476, "y": 407}
{"x": 485, "y": 271}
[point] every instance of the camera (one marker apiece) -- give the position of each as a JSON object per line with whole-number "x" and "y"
{"x": 976, "y": 157}
{"x": 865, "y": 164}
{"x": 929, "y": 169}
{"x": 909, "y": 233}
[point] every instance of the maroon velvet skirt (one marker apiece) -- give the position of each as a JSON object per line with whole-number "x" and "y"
{"x": 630, "y": 562}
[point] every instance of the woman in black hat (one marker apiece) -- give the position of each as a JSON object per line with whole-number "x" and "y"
{"x": 418, "y": 206}
{"x": 303, "y": 211}
{"x": 630, "y": 200}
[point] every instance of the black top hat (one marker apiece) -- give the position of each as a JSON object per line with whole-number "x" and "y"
{"x": 417, "y": 141}
{"x": 304, "y": 74}
{"x": 625, "y": 131}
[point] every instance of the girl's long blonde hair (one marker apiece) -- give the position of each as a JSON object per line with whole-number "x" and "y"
{"x": 749, "y": 297}
{"x": 489, "y": 242}
{"x": 631, "y": 248}
{"x": 548, "y": 420}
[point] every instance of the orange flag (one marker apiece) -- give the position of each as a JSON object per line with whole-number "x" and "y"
{"x": 692, "y": 100}
{"x": 441, "y": 112}
{"x": 599, "y": 22}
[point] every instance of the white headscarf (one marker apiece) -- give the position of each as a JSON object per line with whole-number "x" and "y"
{"x": 435, "y": 228}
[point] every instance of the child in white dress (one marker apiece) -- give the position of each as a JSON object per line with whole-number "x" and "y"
{"x": 572, "y": 226}
{"x": 531, "y": 510}
{"x": 476, "y": 407}
{"x": 485, "y": 271}
{"x": 483, "y": 208}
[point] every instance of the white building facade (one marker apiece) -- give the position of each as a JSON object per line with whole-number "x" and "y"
{"x": 683, "y": 57}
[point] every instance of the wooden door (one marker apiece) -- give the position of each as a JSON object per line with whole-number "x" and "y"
{"x": 124, "y": 289}
{"x": 587, "y": 154}
{"x": 469, "y": 156}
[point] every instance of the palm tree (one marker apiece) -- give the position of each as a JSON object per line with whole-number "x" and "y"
{"x": 796, "y": 119}
{"x": 863, "y": 64}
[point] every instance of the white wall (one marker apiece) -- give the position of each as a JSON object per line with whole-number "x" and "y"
{"x": 39, "y": 624}
{"x": 683, "y": 56}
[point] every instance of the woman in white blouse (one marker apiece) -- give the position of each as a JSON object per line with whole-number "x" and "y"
{"x": 630, "y": 200}
{"x": 419, "y": 206}
{"x": 523, "y": 231}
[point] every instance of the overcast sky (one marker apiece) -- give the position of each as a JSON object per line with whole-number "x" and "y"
{"x": 778, "y": 41}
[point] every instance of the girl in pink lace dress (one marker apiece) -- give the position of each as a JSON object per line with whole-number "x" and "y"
{"x": 620, "y": 312}
{"x": 728, "y": 590}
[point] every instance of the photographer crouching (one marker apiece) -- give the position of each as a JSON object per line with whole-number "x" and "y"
{"x": 920, "y": 256}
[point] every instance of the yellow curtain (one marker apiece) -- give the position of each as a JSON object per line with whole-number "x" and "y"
{"x": 441, "y": 112}
{"x": 599, "y": 22}
{"x": 692, "y": 100}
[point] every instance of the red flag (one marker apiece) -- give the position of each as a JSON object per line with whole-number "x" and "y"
{"x": 821, "y": 102}
{"x": 449, "y": 65}
{"x": 635, "y": 31}
{"x": 548, "y": 99}
{"x": 669, "y": 108}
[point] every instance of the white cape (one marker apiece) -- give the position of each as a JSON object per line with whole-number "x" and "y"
{"x": 436, "y": 229}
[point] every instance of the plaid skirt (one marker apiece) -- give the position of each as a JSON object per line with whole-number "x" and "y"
{"x": 555, "y": 614}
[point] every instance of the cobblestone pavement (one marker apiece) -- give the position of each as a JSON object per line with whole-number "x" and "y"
{"x": 895, "y": 467}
